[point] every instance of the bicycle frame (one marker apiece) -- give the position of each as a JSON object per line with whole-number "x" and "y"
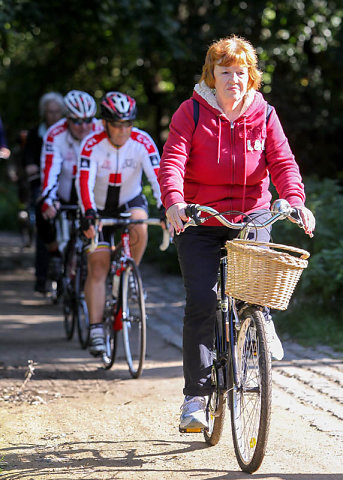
{"x": 120, "y": 253}
{"x": 226, "y": 339}
{"x": 125, "y": 309}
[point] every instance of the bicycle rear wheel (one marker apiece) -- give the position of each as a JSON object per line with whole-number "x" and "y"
{"x": 250, "y": 400}
{"x": 217, "y": 402}
{"x": 134, "y": 319}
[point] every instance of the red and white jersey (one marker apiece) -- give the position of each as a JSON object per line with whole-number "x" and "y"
{"x": 108, "y": 177}
{"x": 59, "y": 161}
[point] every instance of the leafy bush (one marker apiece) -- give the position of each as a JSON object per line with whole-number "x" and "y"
{"x": 322, "y": 281}
{"x": 315, "y": 314}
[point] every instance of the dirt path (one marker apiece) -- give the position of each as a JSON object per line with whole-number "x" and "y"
{"x": 74, "y": 420}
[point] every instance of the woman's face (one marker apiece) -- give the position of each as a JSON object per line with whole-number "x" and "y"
{"x": 231, "y": 83}
{"x": 53, "y": 113}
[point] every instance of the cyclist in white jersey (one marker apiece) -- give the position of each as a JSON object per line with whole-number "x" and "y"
{"x": 59, "y": 156}
{"x": 109, "y": 181}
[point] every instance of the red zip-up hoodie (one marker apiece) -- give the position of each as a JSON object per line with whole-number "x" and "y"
{"x": 226, "y": 165}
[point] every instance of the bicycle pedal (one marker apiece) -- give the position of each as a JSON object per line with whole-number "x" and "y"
{"x": 191, "y": 430}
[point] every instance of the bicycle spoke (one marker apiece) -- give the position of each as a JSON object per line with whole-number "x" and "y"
{"x": 251, "y": 398}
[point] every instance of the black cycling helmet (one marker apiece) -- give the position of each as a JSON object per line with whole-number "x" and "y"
{"x": 118, "y": 106}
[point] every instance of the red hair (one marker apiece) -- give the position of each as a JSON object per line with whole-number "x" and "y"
{"x": 229, "y": 51}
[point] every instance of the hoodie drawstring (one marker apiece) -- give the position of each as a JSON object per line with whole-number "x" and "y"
{"x": 219, "y": 139}
{"x": 245, "y": 163}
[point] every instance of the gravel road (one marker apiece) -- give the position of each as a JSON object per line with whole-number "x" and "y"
{"x": 73, "y": 420}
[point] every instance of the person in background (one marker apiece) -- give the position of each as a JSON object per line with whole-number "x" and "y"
{"x": 59, "y": 156}
{"x": 51, "y": 109}
{"x": 109, "y": 182}
{"x": 225, "y": 162}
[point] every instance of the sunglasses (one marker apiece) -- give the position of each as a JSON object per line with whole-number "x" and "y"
{"x": 80, "y": 121}
{"x": 124, "y": 124}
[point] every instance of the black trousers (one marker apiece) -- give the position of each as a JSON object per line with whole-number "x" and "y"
{"x": 198, "y": 251}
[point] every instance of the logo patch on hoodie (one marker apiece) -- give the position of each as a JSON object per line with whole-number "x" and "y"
{"x": 257, "y": 145}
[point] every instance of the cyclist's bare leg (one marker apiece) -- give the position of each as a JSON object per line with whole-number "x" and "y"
{"x": 95, "y": 286}
{"x": 138, "y": 235}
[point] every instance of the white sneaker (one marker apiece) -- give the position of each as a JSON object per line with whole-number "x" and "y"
{"x": 275, "y": 345}
{"x": 97, "y": 341}
{"x": 193, "y": 414}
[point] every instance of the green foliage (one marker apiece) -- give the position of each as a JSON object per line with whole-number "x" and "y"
{"x": 310, "y": 324}
{"x": 155, "y": 51}
{"x": 322, "y": 281}
{"x": 315, "y": 312}
{"x": 9, "y": 203}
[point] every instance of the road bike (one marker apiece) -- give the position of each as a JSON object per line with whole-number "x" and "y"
{"x": 74, "y": 272}
{"x": 241, "y": 372}
{"x": 125, "y": 298}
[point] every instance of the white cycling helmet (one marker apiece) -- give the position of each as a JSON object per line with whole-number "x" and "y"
{"x": 80, "y": 104}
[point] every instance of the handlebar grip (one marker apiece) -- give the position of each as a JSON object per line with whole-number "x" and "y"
{"x": 297, "y": 217}
{"x": 192, "y": 211}
{"x": 189, "y": 209}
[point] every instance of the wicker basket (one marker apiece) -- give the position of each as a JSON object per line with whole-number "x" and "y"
{"x": 259, "y": 274}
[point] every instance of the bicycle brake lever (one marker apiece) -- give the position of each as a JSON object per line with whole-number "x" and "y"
{"x": 295, "y": 214}
{"x": 299, "y": 221}
{"x": 192, "y": 211}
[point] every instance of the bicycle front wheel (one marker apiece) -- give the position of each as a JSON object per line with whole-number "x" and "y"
{"x": 83, "y": 322}
{"x": 250, "y": 400}
{"x": 110, "y": 337}
{"x": 68, "y": 291}
{"x": 81, "y": 305}
{"x": 134, "y": 319}
{"x": 68, "y": 314}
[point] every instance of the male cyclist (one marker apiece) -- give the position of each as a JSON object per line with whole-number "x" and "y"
{"x": 109, "y": 181}
{"x": 59, "y": 155}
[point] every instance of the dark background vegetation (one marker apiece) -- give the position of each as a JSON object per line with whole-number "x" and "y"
{"x": 154, "y": 50}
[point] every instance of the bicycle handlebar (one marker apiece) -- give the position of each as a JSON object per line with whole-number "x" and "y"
{"x": 68, "y": 208}
{"x": 124, "y": 221}
{"x": 280, "y": 210}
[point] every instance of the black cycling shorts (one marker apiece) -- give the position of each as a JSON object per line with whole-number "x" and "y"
{"x": 139, "y": 201}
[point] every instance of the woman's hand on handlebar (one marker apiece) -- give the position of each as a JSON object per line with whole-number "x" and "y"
{"x": 176, "y": 216}
{"x": 307, "y": 218}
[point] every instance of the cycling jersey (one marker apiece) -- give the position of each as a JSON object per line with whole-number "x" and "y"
{"x": 108, "y": 177}
{"x": 59, "y": 162}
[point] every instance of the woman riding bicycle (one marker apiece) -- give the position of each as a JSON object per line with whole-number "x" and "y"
{"x": 221, "y": 151}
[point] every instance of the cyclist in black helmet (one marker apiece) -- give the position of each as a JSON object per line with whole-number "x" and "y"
{"x": 109, "y": 181}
